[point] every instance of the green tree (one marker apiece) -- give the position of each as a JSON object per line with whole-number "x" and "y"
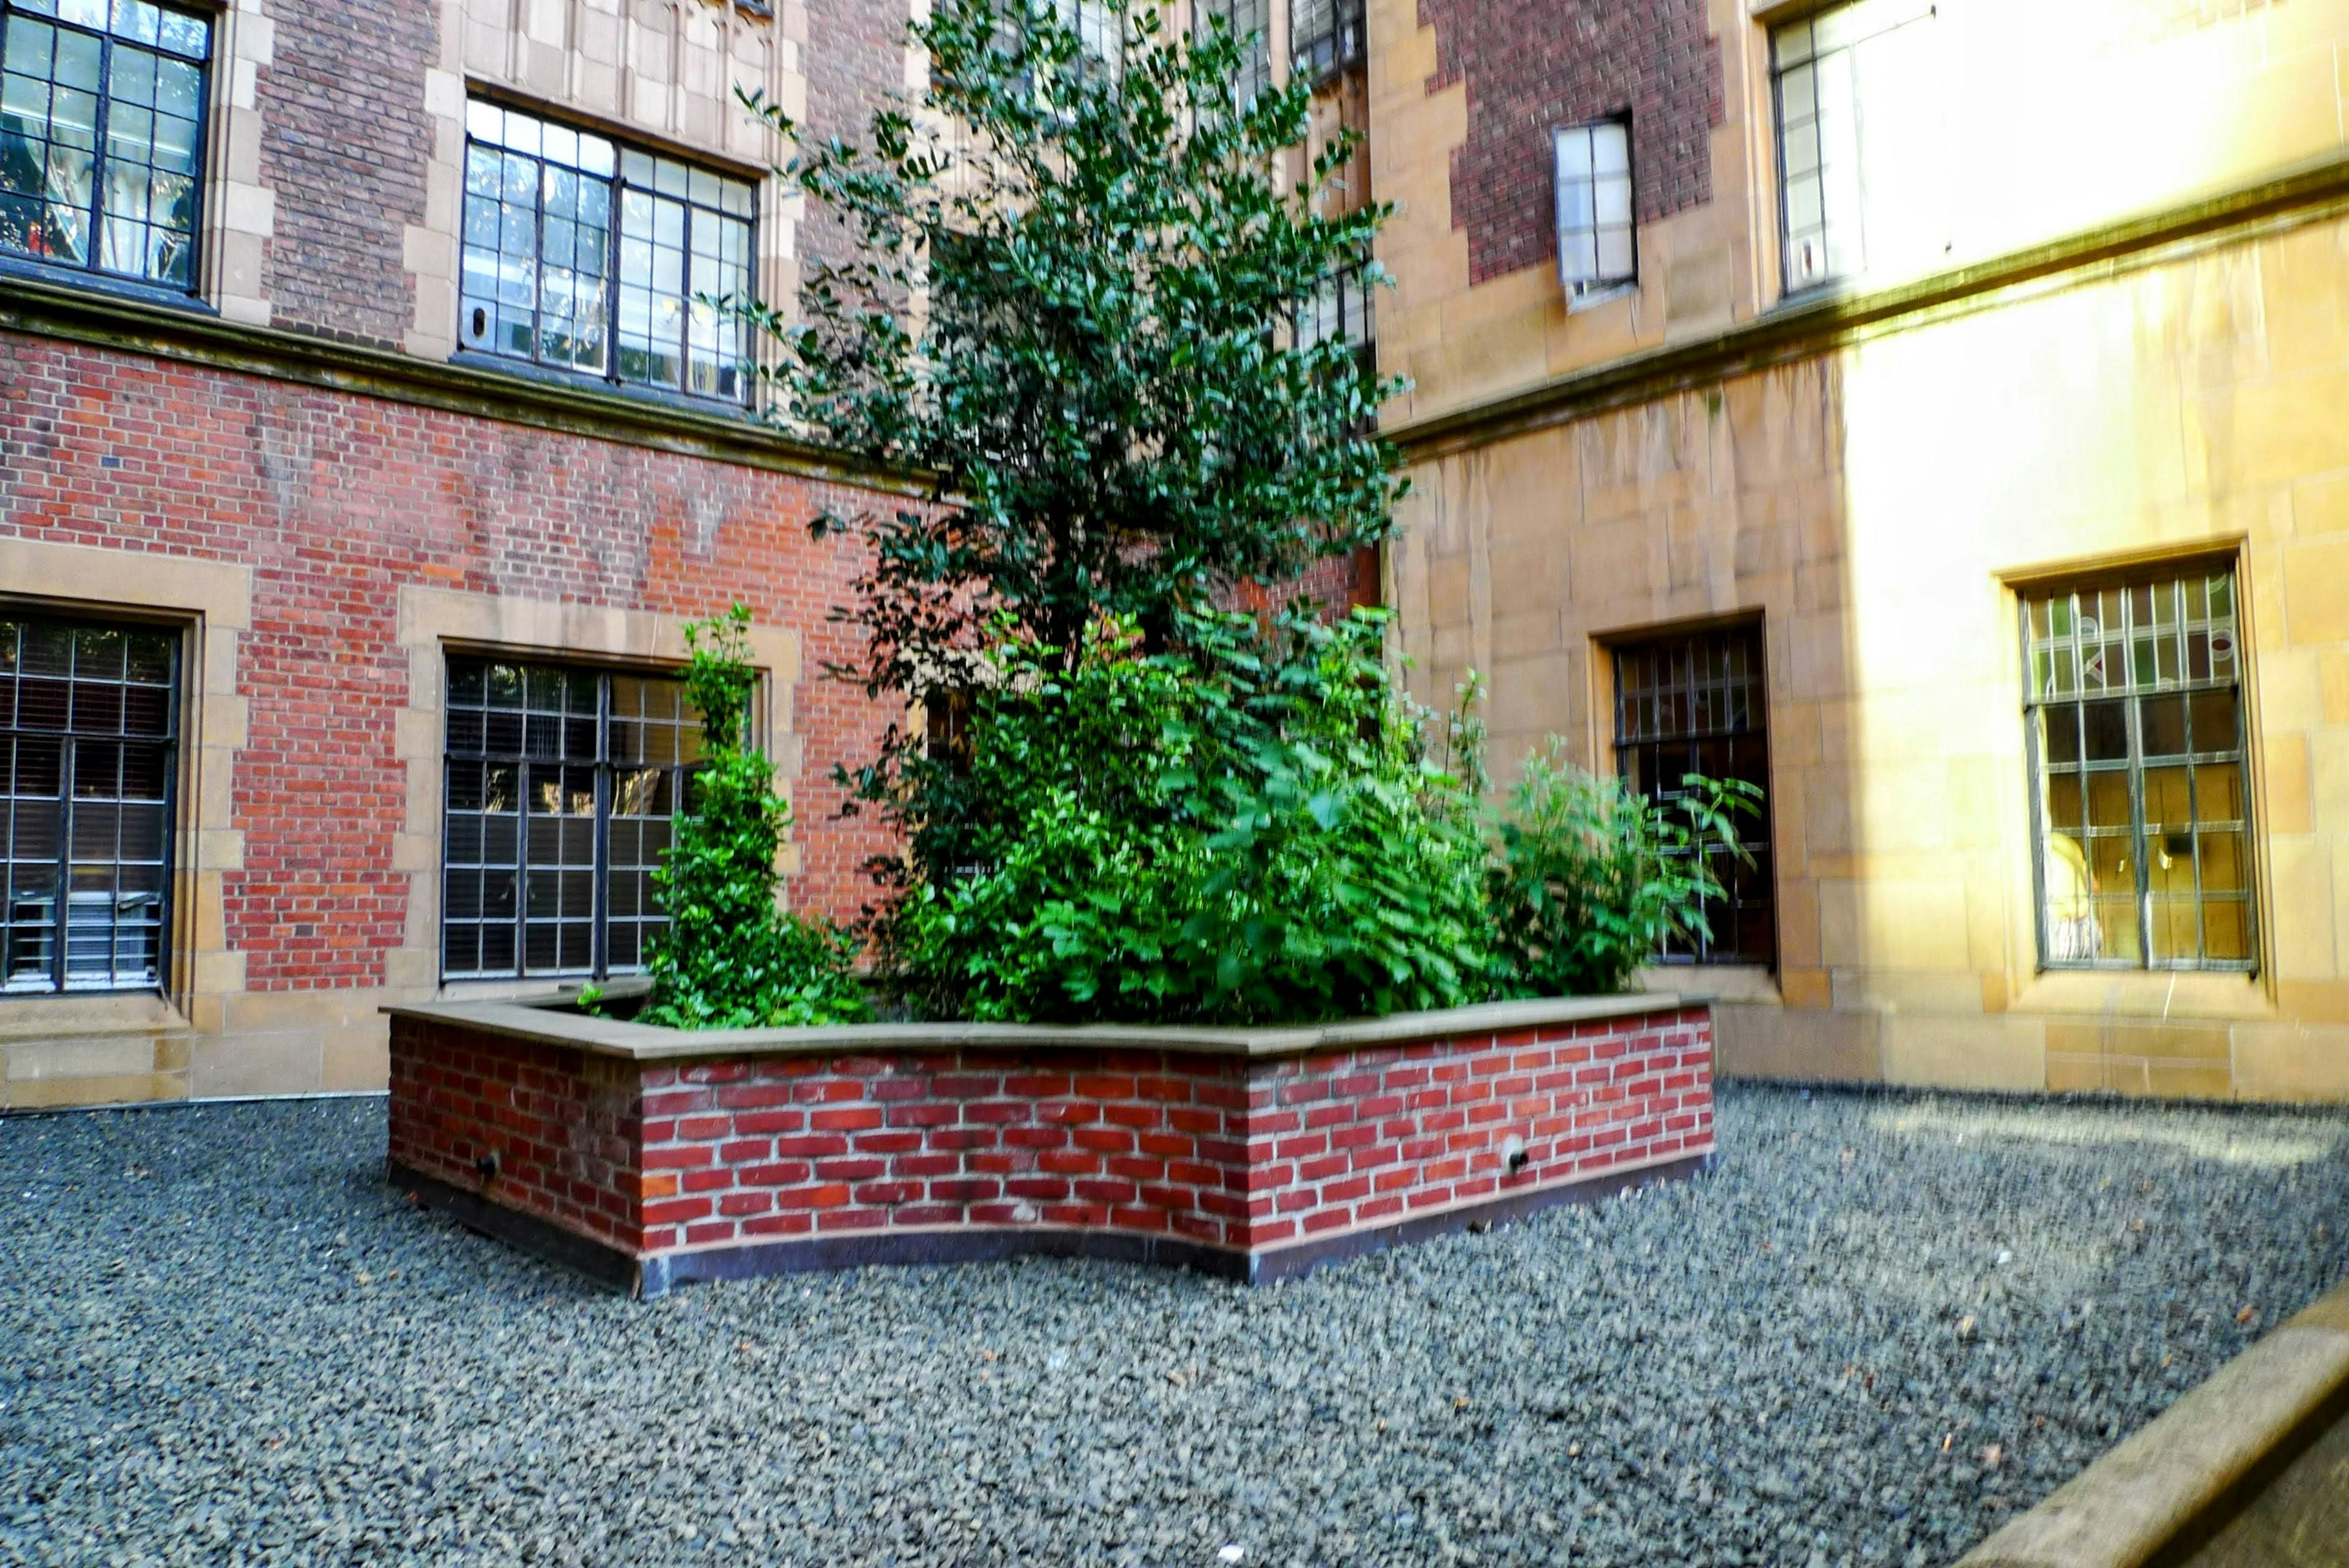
{"x": 1071, "y": 307}
{"x": 730, "y": 957}
{"x": 1205, "y": 834}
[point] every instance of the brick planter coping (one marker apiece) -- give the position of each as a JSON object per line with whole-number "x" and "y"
{"x": 651, "y": 1156}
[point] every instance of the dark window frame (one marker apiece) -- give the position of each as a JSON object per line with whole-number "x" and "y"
{"x": 1350, "y": 287}
{"x": 102, "y": 156}
{"x": 1323, "y": 47}
{"x": 1639, "y": 759}
{"x": 72, "y": 742}
{"x": 605, "y": 770}
{"x": 2052, "y": 714}
{"x": 485, "y": 344}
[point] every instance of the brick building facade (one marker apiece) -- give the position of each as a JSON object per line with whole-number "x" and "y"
{"x": 261, "y": 443}
{"x": 363, "y": 452}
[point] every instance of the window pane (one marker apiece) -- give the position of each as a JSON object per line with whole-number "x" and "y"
{"x": 1697, "y": 704}
{"x": 2164, "y": 845}
{"x": 63, "y": 198}
{"x": 552, "y": 769}
{"x": 85, "y": 832}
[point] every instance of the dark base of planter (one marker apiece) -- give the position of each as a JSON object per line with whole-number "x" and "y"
{"x": 599, "y": 1260}
{"x": 654, "y": 1275}
{"x": 1303, "y": 1257}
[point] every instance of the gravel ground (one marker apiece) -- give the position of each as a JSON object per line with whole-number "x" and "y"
{"x": 1883, "y": 1326}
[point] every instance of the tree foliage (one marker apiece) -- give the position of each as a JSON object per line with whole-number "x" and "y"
{"x": 729, "y": 957}
{"x": 1590, "y": 878}
{"x": 1071, "y": 307}
{"x": 1241, "y": 828}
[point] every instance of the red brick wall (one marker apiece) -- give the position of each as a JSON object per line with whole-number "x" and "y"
{"x": 345, "y": 147}
{"x": 334, "y": 501}
{"x": 857, "y": 54}
{"x": 563, "y": 1128}
{"x": 1531, "y": 64}
{"x": 1366, "y": 1138}
{"x": 1207, "y": 1149}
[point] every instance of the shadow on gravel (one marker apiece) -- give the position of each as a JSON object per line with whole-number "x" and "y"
{"x": 1884, "y": 1324}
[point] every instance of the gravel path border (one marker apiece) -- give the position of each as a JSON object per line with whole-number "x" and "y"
{"x": 1882, "y": 1326}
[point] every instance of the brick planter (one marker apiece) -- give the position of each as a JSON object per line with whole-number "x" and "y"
{"x": 649, "y": 1156}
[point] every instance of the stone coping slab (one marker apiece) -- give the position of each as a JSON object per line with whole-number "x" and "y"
{"x": 534, "y": 1020}
{"x": 2160, "y": 1494}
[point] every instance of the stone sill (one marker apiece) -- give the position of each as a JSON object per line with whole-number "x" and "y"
{"x": 72, "y": 1014}
{"x": 533, "y": 1019}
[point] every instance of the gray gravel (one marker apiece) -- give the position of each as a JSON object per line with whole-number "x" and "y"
{"x": 1883, "y": 1326}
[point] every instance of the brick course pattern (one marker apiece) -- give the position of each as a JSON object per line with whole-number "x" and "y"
{"x": 347, "y": 150}
{"x": 1238, "y": 1156}
{"x": 334, "y": 501}
{"x": 1529, "y": 68}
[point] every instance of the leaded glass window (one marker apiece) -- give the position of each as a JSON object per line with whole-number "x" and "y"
{"x": 562, "y": 787}
{"x": 2135, "y": 719}
{"x": 586, "y": 254}
{"x": 1251, "y": 22}
{"x": 1696, "y": 704}
{"x": 89, "y": 717}
{"x": 1325, "y": 37}
{"x": 101, "y": 136}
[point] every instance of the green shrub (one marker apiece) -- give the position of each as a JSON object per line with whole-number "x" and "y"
{"x": 730, "y": 958}
{"x": 1241, "y": 828}
{"x": 1589, "y": 878}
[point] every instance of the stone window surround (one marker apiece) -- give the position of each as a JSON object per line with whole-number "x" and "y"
{"x": 1731, "y": 979}
{"x": 432, "y": 247}
{"x": 435, "y": 621}
{"x": 2181, "y": 993}
{"x": 240, "y": 212}
{"x": 212, "y": 603}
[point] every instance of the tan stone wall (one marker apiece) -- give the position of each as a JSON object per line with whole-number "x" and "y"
{"x": 1874, "y": 504}
{"x": 2051, "y": 120}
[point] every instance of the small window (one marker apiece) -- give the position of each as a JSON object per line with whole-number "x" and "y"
{"x": 1593, "y": 207}
{"x": 1818, "y": 152}
{"x": 1325, "y": 37}
{"x": 1340, "y": 309}
{"x": 101, "y": 136}
{"x": 2134, "y": 710}
{"x": 1696, "y": 704}
{"x": 1099, "y": 29}
{"x": 88, "y": 744}
{"x": 946, "y": 724}
{"x": 586, "y": 255}
{"x": 1251, "y": 22}
{"x": 1101, "y": 36}
{"x": 562, "y": 787}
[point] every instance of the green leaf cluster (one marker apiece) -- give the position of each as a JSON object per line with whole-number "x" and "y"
{"x": 1241, "y": 829}
{"x": 1589, "y": 878}
{"x": 730, "y": 957}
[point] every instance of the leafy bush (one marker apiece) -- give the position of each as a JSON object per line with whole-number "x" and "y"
{"x": 1241, "y": 828}
{"x": 730, "y": 958}
{"x": 1589, "y": 877}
